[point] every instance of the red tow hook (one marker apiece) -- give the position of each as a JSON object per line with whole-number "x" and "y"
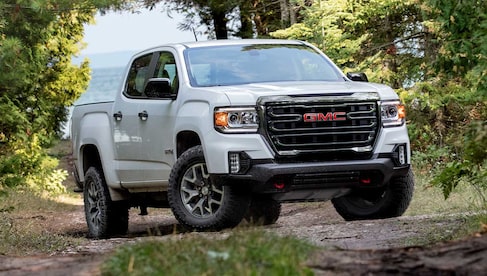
{"x": 365, "y": 181}
{"x": 279, "y": 185}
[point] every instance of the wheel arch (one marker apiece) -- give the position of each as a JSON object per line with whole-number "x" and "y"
{"x": 90, "y": 157}
{"x": 186, "y": 140}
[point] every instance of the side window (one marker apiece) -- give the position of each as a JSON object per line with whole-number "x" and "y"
{"x": 166, "y": 68}
{"x": 137, "y": 76}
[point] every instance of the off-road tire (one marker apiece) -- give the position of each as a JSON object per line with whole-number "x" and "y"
{"x": 386, "y": 202}
{"x": 263, "y": 210}
{"x": 104, "y": 217}
{"x": 200, "y": 203}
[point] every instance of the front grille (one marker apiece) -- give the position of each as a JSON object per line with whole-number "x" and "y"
{"x": 330, "y": 129}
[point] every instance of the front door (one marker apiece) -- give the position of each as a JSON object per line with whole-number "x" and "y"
{"x": 145, "y": 144}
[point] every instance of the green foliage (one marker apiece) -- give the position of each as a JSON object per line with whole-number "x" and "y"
{"x": 475, "y": 143}
{"x": 455, "y": 172}
{"x": 447, "y": 126}
{"x": 429, "y": 199}
{"x": 461, "y": 28}
{"x": 30, "y": 166}
{"x": 434, "y": 53}
{"x": 37, "y": 82}
{"x": 470, "y": 166}
{"x": 378, "y": 37}
{"x": 241, "y": 253}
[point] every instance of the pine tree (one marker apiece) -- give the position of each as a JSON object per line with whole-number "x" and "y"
{"x": 38, "y": 80}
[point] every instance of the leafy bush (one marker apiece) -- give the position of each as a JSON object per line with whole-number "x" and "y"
{"x": 470, "y": 166}
{"x": 30, "y": 166}
{"x": 448, "y": 131}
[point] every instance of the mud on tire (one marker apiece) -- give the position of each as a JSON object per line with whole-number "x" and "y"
{"x": 197, "y": 201}
{"x": 104, "y": 217}
{"x": 386, "y": 202}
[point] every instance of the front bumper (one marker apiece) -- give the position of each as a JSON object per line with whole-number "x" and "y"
{"x": 266, "y": 176}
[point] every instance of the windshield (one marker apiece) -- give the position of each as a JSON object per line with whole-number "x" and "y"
{"x": 242, "y": 64}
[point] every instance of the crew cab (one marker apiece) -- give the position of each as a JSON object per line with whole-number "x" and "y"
{"x": 226, "y": 130}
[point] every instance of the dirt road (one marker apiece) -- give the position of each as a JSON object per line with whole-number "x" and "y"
{"x": 351, "y": 248}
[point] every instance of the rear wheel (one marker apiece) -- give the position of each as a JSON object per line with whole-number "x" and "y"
{"x": 104, "y": 217}
{"x": 386, "y": 202}
{"x": 197, "y": 201}
{"x": 263, "y": 211}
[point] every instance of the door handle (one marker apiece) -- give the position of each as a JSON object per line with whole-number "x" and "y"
{"x": 143, "y": 115}
{"x": 118, "y": 116}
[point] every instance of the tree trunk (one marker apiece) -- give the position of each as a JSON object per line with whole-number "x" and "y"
{"x": 258, "y": 19}
{"x": 285, "y": 12}
{"x": 220, "y": 24}
{"x": 246, "y": 30}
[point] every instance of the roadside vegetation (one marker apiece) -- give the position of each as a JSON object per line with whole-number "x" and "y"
{"x": 24, "y": 215}
{"x": 249, "y": 252}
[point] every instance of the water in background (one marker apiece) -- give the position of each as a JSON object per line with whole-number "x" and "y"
{"x": 106, "y": 75}
{"x": 103, "y": 85}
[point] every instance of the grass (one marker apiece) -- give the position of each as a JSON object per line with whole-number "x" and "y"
{"x": 429, "y": 199}
{"x": 28, "y": 239}
{"x": 464, "y": 205}
{"x": 466, "y": 225}
{"x": 251, "y": 252}
{"x": 25, "y": 215}
{"x": 22, "y": 223}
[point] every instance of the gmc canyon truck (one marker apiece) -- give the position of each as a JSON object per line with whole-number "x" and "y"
{"x": 222, "y": 131}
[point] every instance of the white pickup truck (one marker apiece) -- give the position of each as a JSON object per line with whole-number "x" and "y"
{"x": 222, "y": 131}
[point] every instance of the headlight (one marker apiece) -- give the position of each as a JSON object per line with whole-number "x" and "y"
{"x": 393, "y": 113}
{"x": 236, "y": 119}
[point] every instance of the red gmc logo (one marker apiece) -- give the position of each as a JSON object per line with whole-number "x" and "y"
{"x": 321, "y": 117}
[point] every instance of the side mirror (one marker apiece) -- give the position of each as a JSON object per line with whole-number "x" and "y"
{"x": 159, "y": 88}
{"x": 357, "y": 76}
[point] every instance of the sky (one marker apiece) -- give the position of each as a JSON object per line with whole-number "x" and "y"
{"x": 116, "y": 32}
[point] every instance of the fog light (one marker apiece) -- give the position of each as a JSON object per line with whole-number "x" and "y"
{"x": 402, "y": 155}
{"x": 234, "y": 162}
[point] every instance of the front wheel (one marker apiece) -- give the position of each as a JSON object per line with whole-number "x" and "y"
{"x": 104, "y": 217}
{"x": 386, "y": 202}
{"x": 197, "y": 201}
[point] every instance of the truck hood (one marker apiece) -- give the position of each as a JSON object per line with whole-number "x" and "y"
{"x": 244, "y": 94}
